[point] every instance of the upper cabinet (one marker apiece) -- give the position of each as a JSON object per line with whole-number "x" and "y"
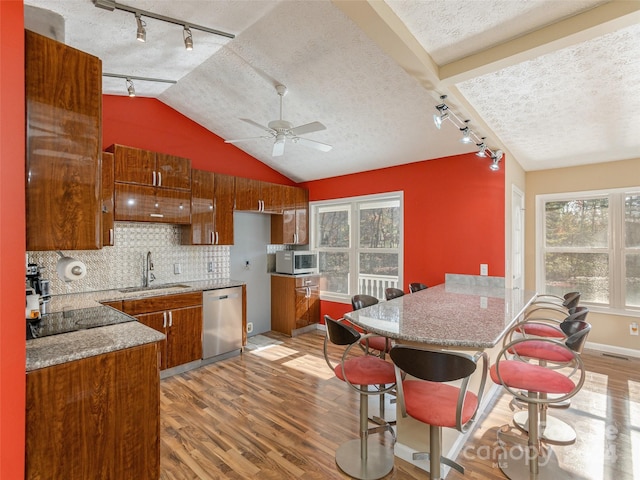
{"x": 292, "y": 227}
{"x": 212, "y": 197}
{"x": 150, "y": 186}
{"x": 63, "y": 91}
{"x": 258, "y": 196}
{"x": 107, "y": 200}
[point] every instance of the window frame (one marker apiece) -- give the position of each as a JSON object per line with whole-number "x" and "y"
{"x": 354, "y": 248}
{"x": 615, "y": 248}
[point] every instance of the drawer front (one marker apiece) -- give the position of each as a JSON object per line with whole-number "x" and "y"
{"x": 308, "y": 281}
{"x": 164, "y": 302}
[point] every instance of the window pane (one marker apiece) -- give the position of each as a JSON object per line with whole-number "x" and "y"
{"x": 587, "y": 273}
{"x": 334, "y": 268}
{"x": 577, "y": 223}
{"x": 380, "y": 225}
{"x": 632, "y": 221}
{"x": 378, "y": 271}
{"x": 633, "y": 280}
{"x": 334, "y": 229}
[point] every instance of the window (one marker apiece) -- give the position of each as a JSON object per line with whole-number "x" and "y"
{"x": 590, "y": 242}
{"x": 359, "y": 245}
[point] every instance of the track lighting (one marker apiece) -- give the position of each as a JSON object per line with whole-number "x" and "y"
{"x": 141, "y": 34}
{"x": 188, "y": 38}
{"x": 468, "y": 135}
{"x": 111, "y": 5}
{"x": 130, "y": 88}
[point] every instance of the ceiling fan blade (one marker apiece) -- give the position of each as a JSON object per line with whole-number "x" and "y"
{"x": 308, "y": 128}
{"x": 323, "y": 147}
{"x": 278, "y": 148}
{"x": 256, "y": 124}
{"x": 235, "y": 140}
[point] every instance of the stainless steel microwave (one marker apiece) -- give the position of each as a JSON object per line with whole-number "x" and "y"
{"x": 295, "y": 262}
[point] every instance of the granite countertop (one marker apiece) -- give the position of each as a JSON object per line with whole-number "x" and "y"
{"x": 103, "y": 329}
{"x": 464, "y": 316}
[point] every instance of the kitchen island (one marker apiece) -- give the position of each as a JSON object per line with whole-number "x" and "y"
{"x": 467, "y": 313}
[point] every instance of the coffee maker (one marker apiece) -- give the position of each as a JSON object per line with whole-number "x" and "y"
{"x": 39, "y": 286}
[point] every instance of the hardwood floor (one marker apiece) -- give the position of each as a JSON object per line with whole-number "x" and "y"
{"x": 279, "y": 413}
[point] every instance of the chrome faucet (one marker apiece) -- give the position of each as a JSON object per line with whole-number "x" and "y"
{"x": 149, "y": 276}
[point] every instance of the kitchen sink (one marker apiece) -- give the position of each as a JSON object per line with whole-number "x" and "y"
{"x": 152, "y": 287}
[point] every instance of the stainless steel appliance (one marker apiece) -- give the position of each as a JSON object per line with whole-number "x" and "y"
{"x": 39, "y": 285}
{"x": 296, "y": 262}
{"x": 222, "y": 321}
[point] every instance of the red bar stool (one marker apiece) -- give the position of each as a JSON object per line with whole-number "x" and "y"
{"x": 538, "y": 381}
{"x": 432, "y": 400}
{"x": 365, "y": 458}
{"x": 376, "y": 342}
{"x": 562, "y": 304}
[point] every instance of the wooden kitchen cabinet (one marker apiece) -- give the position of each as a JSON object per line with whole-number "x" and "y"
{"x": 257, "y": 196}
{"x": 292, "y": 227}
{"x": 179, "y": 317}
{"x": 108, "y": 224}
{"x": 212, "y": 197}
{"x": 138, "y": 203}
{"x": 144, "y": 167}
{"x": 295, "y": 303}
{"x": 63, "y": 92}
{"x": 98, "y": 417}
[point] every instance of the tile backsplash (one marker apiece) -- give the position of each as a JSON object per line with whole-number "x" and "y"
{"x": 123, "y": 265}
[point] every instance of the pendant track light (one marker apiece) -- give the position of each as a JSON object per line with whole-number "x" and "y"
{"x": 141, "y": 34}
{"x": 188, "y": 38}
{"x": 468, "y": 135}
{"x": 131, "y": 90}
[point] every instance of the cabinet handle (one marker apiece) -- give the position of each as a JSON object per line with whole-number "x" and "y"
{"x": 164, "y": 319}
{"x": 111, "y": 236}
{"x": 159, "y": 215}
{"x": 159, "y": 179}
{"x": 308, "y": 292}
{"x": 154, "y": 179}
{"x": 211, "y": 238}
{"x": 170, "y": 319}
{"x": 295, "y": 238}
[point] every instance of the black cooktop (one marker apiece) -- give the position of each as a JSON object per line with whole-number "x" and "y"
{"x": 73, "y": 320}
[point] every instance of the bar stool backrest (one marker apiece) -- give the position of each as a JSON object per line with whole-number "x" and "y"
{"x": 576, "y": 332}
{"x": 432, "y": 365}
{"x": 416, "y": 287}
{"x": 392, "y": 292}
{"x": 340, "y": 333}
{"x": 361, "y": 301}
{"x": 571, "y": 299}
{"x": 577, "y": 314}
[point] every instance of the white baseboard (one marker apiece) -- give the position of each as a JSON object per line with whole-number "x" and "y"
{"x": 619, "y": 351}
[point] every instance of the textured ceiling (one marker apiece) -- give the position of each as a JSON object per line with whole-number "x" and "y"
{"x": 552, "y": 83}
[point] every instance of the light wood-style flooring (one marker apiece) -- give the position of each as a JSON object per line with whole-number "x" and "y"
{"x": 279, "y": 413}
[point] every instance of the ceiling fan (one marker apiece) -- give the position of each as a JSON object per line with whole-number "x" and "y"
{"x": 281, "y": 131}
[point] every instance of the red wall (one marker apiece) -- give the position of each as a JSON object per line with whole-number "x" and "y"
{"x": 150, "y": 124}
{"x": 453, "y": 215}
{"x": 12, "y": 240}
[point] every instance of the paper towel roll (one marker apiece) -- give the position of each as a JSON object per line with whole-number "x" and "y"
{"x": 70, "y": 269}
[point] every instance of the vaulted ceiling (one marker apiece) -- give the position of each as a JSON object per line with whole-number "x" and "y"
{"x": 551, "y": 83}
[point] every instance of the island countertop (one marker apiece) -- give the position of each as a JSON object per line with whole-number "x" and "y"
{"x": 451, "y": 315}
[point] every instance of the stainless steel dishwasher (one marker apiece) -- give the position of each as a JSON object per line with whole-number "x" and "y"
{"x": 222, "y": 321}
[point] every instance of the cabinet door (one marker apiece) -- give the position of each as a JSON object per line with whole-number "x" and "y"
{"x": 63, "y": 142}
{"x": 302, "y": 307}
{"x": 133, "y": 165}
{"x": 185, "y": 336}
{"x": 224, "y": 194}
{"x": 108, "y": 233}
{"x": 302, "y": 216}
{"x": 248, "y": 195}
{"x": 157, "y": 321}
{"x": 173, "y": 172}
{"x": 313, "y": 313}
{"x": 173, "y": 205}
{"x": 201, "y": 230}
{"x": 137, "y": 203}
{"x": 272, "y": 197}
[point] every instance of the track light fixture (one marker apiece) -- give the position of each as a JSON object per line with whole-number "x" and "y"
{"x": 141, "y": 34}
{"x": 131, "y": 90}
{"x": 468, "y": 135}
{"x": 112, "y": 5}
{"x": 188, "y": 38}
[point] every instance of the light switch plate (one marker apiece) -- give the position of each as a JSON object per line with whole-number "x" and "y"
{"x": 177, "y": 268}
{"x": 484, "y": 269}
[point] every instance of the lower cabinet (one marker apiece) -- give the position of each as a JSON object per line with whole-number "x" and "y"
{"x": 179, "y": 317}
{"x": 295, "y": 302}
{"x": 98, "y": 417}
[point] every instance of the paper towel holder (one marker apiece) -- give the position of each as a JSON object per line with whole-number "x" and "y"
{"x": 78, "y": 271}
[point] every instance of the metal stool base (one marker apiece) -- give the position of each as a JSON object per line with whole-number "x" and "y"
{"x": 379, "y": 460}
{"x": 515, "y": 465}
{"x": 556, "y": 431}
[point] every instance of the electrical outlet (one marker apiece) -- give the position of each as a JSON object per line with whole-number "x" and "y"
{"x": 484, "y": 302}
{"x": 247, "y": 265}
{"x": 633, "y": 328}
{"x": 249, "y": 327}
{"x": 177, "y": 268}
{"x": 210, "y": 267}
{"x": 484, "y": 269}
